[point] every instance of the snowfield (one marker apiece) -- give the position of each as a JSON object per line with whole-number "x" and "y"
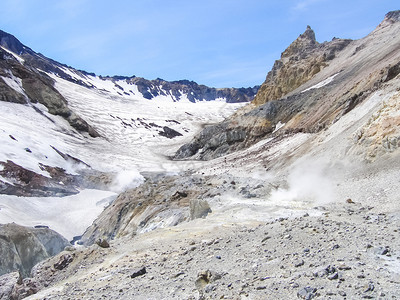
{"x": 69, "y": 216}
{"x": 130, "y": 143}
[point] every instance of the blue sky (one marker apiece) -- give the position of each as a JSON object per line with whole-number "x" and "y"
{"x": 219, "y": 43}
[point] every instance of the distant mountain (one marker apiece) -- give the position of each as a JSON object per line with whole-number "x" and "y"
{"x": 149, "y": 89}
{"x": 194, "y": 92}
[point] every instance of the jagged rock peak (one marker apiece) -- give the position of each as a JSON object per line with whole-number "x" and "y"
{"x": 393, "y": 15}
{"x": 304, "y": 42}
{"x": 309, "y": 34}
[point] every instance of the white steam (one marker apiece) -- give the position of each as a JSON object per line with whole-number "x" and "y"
{"x": 126, "y": 179}
{"x": 309, "y": 184}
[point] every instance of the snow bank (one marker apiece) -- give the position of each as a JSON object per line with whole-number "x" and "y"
{"x": 69, "y": 216}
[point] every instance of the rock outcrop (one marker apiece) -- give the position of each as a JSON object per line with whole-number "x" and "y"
{"x": 311, "y": 87}
{"x": 159, "y": 202}
{"x": 304, "y": 58}
{"x": 22, "y": 247}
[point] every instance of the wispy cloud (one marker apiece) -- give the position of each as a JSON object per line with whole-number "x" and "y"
{"x": 305, "y": 4}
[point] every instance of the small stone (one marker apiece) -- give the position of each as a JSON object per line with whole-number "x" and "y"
{"x": 178, "y": 274}
{"x": 218, "y": 257}
{"x": 344, "y": 267}
{"x": 307, "y": 293}
{"x": 350, "y": 201}
{"x": 298, "y": 263}
{"x": 103, "y": 243}
{"x": 265, "y": 239}
{"x": 342, "y": 293}
{"x": 139, "y": 272}
{"x": 333, "y": 276}
{"x": 335, "y": 247}
{"x": 263, "y": 287}
{"x": 381, "y": 251}
{"x": 369, "y": 288}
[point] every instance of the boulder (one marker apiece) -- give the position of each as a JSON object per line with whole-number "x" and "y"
{"x": 23, "y": 247}
{"x": 199, "y": 209}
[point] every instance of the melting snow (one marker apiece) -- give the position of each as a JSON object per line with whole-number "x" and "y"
{"x": 322, "y": 83}
{"x": 69, "y": 216}
{"x": 14, "y": 82}
{"x": 19, "y": 58}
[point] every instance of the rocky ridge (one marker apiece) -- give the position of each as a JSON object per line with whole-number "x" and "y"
{"x": 356, "y": 70}
{"x": 22, "y": 81}
{"x": 149, "y": 89}
{"x": 304, "y": 58}
{"x": 194, "y": 92}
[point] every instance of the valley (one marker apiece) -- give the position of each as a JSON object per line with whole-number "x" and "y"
{"x": 294, "y": 194}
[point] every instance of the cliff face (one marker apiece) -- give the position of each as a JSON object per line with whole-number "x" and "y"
{"x": 22, "y": 247}
{"x": 304, "y": 58}
{"x": 312, "y": 86}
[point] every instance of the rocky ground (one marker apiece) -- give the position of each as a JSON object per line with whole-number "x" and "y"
{"x": 348, "y": 250}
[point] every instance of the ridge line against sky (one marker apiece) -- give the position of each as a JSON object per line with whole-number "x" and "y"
{"x": 217, "y": 43}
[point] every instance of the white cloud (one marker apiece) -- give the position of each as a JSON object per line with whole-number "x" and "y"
{"x": 305, "y": 4}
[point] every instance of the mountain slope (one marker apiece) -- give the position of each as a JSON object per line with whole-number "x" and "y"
{"x": 355, "y": 71}
{"x": 67, "y": 133}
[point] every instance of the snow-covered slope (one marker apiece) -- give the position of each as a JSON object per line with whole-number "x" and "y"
{"x": 41, "y": 150}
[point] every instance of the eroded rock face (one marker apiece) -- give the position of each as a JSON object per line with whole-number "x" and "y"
{"x": 381, "y": 134}
{"x": 7, "y": 283}
{"x": 23, "y": 247}
{"x": 159, "y": 202}
{"x": 304, "y": 58}
{"x": 29, "y": 183}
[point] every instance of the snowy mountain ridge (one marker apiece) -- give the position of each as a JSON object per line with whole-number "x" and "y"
{"x": 126, "y": 86}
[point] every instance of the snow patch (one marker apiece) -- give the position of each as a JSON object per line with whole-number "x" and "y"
{"x": 69, "y": 216}
{"x": 322, "y": 83}
{"x": 278, "y": 126}
{"x": 14, "y": 82}
{"x": 17, "y": 57}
